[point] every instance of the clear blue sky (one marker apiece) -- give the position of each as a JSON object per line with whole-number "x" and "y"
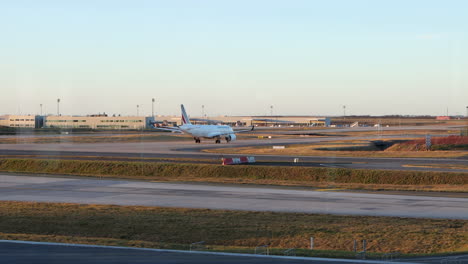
{"x": 235, "y": 57}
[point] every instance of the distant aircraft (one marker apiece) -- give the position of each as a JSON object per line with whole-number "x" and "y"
{"x": 204, "y": 131}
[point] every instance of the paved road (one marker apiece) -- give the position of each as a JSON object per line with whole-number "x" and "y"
{"x": 122, "y": 192}
{"x": 454, "y": 259}
{"x": 193, "y": 151}
{"x": 38, "y": 253}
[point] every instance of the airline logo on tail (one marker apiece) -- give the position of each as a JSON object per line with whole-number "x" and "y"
{"x": 185, "y": 119}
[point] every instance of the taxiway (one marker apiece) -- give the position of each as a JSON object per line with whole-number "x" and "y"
{"x": 124, "y": 192}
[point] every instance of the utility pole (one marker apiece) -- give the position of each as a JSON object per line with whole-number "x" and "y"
{"x": 58, "y": 106}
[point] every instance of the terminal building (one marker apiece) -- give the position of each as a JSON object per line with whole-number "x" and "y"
{"x": 276, "y": 121}
{"x": 103, "y": 121}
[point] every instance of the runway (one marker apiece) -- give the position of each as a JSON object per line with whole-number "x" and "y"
{"x": 121, "y": 192}
{"x": 189, "y": 150}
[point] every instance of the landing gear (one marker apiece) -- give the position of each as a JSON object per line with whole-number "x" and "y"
{"x": 228, "y": 139}
{"x": 197, "y": 140}
{"x": 218, "y": 141}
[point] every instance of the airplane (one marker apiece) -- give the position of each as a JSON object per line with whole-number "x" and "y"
{"x": 204, "y": 131}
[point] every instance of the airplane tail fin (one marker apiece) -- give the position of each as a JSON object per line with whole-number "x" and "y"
{"x": 185, "y": 119}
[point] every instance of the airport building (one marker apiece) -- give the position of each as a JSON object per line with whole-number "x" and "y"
{"x": 103, "y": 121}
{"x": 23, "y": 121}
{"x": 278, "y": 121}
{"x": 98, "y": 122}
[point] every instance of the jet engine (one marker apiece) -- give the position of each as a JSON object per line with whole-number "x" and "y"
{"x": 231, "y": 137}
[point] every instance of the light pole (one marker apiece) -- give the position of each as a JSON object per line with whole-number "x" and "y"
{"x": 152, "y": 107}
{"x": 41, "y": 108}
{"x": 58, "y": 106}
{"x": 271, "y": 114}
{"x": 344, "y": 111}
{"x": 138, "y": 110}
{"x": 203, "y": 111}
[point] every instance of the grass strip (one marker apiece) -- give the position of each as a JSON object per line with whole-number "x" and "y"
{"x": 149, "y": 137}
{"x": 306, "y": 176}
{"x": 235, "y": 231}
{"x": 438, "y": 166}
{"x": 318, "y": 150}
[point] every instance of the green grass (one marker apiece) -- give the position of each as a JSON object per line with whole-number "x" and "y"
{"x": 305, "y": 176}
{"x": 235, "y": 231}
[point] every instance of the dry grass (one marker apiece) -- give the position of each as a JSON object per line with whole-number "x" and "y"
{"x": 177, "y": 228}
{"x": 149, "y": 137}
{"x": 439, "y": 166}
{"x": 403, "y": 121}
{"x": 378, "y": 133}
{"x": 449, "y": 143}
{"x": 296, "y": 176}
{"x": 339, "y": 149}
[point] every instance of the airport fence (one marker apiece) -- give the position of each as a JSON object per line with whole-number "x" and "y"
{"x": 290, "y": 252}
{"x": 198, "y": 246}
{"x": 262, "y": 250}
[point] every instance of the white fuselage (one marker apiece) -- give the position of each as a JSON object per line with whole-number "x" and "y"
{"x": 206, "y": 131}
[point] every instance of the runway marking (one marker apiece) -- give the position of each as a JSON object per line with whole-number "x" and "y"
{"x": 202, "y": 252}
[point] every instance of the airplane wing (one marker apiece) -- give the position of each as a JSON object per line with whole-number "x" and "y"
{"x": 174, "y": 129}
{"x": 217, "y": 134}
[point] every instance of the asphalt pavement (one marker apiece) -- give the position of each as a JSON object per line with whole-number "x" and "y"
{"x": 20, "y": 252}
{"x": 189, "y": 150}
{"x": 249, "y": 198}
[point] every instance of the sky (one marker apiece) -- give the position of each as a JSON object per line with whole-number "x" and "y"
{"x": 234, "y": 57}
